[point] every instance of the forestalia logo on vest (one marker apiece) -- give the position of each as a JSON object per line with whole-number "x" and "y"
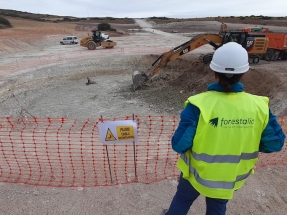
{"x": 214, "y": 122}
{"x": 232, "y": 123}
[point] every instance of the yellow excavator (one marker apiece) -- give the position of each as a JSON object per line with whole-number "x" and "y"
{"x": 255, "y": 44}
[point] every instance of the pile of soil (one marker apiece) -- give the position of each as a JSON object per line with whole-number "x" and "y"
{"x": 190, "y": 77}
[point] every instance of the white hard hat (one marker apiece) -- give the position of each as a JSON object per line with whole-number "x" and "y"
{"x": 231, "y": 58}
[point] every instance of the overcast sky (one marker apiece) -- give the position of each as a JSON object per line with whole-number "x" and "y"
{"x": 149, "y": 8}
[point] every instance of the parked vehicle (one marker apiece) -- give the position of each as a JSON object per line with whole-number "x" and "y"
{"x": 69, "y": 40}
{"x": 277, "y": 47}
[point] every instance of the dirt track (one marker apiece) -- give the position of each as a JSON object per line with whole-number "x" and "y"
{"x": 53, "y": 84}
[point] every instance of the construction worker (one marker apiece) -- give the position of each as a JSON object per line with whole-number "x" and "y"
{"x": 223, "y": 28}
{"x": 220, "y": 135}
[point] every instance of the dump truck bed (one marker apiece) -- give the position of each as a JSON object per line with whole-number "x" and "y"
{"x": 277, "y": 40}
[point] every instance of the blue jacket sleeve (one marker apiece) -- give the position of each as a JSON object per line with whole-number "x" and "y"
{"x": 182, "y": 139}
{"x": 272, "y": 138}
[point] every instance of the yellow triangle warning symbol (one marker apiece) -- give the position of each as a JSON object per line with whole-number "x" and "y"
{"x": 110, "y": 136}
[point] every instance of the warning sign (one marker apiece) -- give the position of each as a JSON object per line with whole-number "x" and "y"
{"x": 118, "y": 131}
{"x": 110, "y": 136}
{"x": 125, "y": 132}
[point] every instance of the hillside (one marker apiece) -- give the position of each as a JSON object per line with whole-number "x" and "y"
{"x": 55, "y": 19}
{"x": 256, "y": 20}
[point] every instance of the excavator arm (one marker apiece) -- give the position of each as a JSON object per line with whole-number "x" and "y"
{"x": 213, "y": 39}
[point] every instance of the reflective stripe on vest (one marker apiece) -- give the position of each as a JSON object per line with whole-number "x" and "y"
{"x": 224, "y": 158}
{"x": 213, "y": 184}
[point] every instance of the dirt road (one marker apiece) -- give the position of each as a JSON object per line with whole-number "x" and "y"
{"x": 146, "y": 26}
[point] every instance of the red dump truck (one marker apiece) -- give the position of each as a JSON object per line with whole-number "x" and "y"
{"x": 277, "y": 46}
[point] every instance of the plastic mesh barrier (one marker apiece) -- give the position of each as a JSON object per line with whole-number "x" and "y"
{"x": 68, "y": 152}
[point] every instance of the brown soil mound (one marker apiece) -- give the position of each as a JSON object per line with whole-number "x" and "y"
{"x": 191, "y": 77}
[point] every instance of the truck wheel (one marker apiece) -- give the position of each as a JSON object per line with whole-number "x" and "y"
{"x": 91, "y": 45}
{"x": 256, "y": 59}
{"x": 269, "y": 55}
{"x": 284, "y": 56}
{"x": 276, "y": 57}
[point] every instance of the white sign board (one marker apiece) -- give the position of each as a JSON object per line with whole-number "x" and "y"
{"x": 118, "y": 131}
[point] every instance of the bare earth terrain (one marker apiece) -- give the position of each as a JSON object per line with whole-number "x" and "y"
{"x": 46, "y": 79}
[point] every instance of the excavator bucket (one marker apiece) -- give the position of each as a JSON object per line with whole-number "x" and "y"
{"x": 138, "y": 80}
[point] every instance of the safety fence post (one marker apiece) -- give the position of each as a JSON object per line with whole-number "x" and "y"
{"x": 135, "y": 164}
{"x": 107, "y": 151}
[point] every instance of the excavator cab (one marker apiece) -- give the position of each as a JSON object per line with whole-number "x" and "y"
{"x": 246, "y": 40}
{"x": 238, "y": 37}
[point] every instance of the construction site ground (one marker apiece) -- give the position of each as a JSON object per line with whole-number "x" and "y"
{"x": 41, "y": 78}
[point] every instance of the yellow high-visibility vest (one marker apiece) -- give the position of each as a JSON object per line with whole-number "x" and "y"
{"x": 226, "y": 144}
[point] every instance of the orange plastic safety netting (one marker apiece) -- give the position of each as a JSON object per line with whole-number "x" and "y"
{"x": 68, "y": 152}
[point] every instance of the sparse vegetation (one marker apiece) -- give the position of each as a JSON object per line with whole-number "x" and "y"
{"x": 67, "y": 19}
{"x": 252, "y": 19}
{"x": 76, "y": 20}
{"x": 266, "y": 17}
{"x": 111, "y": 18}
{"x": 154, "y": 17}
{"x": 23, "y": 15}
{"x": 104, "y": 26}
{"x": 5, "y": 22}
{"x": 96, "y": 18}
{"x": 39, "y": 19}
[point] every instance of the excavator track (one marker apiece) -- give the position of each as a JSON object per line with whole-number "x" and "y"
{"x": 253, "y": 59}
{"x": 206, "y": 58}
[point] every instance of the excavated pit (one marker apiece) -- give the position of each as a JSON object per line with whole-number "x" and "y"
{"x": 186, "y": 76}
{"x": 60, "y": 90}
